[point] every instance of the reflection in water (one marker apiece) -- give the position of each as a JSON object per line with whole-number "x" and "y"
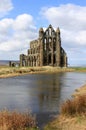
{"x": 50, "y": 92}
{"x": 42, "y": 93}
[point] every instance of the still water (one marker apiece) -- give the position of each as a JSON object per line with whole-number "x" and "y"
{"x": 41, "y": 93}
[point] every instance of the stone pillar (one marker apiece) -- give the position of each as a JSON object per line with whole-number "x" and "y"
{"x": 10, "y": 64}
{"x": 40, "y": 42}
{"x": 36, "y": 61}
{"x": 26, "y": 61}
{"x": 65, "y": 60}
{"x": 41, "y": 52}
{"x": 32, "y": 62}
{"x": 52, "y": 54}
{"x": 29, "y": 62}
{"x": 58, "y": 48}
{"x": 21, "y": 60}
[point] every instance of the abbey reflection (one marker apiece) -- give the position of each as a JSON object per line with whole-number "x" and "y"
{"x": 50, "y": 92}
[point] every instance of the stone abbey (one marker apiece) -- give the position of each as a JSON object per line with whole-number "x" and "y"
{"x": 46, "y": 50}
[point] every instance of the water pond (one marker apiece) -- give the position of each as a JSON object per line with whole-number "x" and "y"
{"x": 40, "y": 93}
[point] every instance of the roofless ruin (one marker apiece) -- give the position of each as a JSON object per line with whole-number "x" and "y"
{"x": 45, "y": 51}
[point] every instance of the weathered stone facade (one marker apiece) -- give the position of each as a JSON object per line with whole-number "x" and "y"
{"x": 46, "y": 50}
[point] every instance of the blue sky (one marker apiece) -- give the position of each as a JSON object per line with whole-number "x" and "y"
{"x": 20, "y": 21}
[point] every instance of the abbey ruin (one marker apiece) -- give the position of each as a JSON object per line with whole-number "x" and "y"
{"x": 46, "y": 50}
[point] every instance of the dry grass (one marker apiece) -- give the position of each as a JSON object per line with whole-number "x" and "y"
{"x": 6, "y": 71}
{"x": 74, "y": 106}
{"x": 72, "y": 116}
{"x": 16, "y": 121}
{"x": 68, "y": 123}
{"x": 80, "y": 91}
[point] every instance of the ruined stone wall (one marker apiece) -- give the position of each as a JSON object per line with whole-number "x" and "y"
{"x": 14, "y": 64}
{"x": 49, "y": 45}
{"x": 34, "y": 54}
{"x": 46, "y": 50}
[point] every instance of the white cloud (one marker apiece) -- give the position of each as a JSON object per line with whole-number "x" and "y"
{"x": 72, "y": 22}
{"x": 5, "y": 26}
{"x": 15, "y": 34}
{"x": 68, "y": 16}
{"x": 5, "y": 7}
{"x": 24, "y": 22}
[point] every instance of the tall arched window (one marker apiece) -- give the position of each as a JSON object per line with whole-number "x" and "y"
{"x": 50, "y": 40}
{"x": 50, "y": 31}
{"x": 45, "y": 41}
{"x": 54, "y": 44}
{"x": 53, "y": 33}
{"x": 49, "y": 59}
{"x": 46, "y": 32}
{"x": 54, "y": 59}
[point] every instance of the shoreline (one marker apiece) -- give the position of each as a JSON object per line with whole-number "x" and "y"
{"x": 6, "y": 72}
{"x": 80, "y": 91}
{"x": 69, "y": 122}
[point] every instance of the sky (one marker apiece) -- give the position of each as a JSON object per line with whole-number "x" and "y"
{"x": 20, "y": 21}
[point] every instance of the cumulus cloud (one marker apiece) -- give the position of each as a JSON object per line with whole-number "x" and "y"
{"x": 24, "y": 22}
{"x": 68, "y": 16}
{"x": 15, "y": 34}
{"x": 72, "y": 22}
{"x": 5, "y": 7}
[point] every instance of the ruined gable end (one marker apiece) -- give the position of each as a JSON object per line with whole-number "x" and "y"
{"x": 46, "y": 50}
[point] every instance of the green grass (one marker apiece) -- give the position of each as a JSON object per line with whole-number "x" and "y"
{"x": 80, "y": 68}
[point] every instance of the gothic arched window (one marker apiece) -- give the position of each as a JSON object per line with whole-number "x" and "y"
{"x": 50, "y": 31}
{"x": 45, "y": 41}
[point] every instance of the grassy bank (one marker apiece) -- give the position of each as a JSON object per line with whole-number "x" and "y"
{"x": 80, "y": 69}
{"x": 73, "y": 113}
{"x": 6, "y": 71}
{"x": 17, "y": 121}
{"x": 80, "y": 91}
